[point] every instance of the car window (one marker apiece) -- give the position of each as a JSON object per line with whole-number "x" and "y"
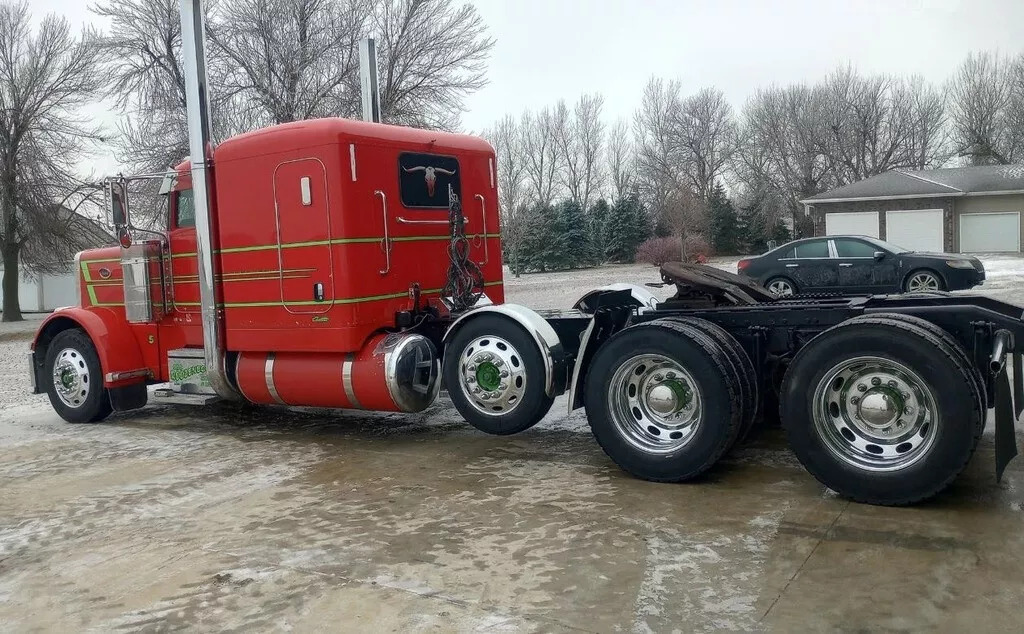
{"x": 854, "y": 249}
{"x": 815, "y": 249}
{"x": 185, "y": 209}
{"x": 789, "y": 254}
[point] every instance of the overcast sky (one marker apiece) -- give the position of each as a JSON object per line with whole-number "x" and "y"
{"x": 549, "y": 49}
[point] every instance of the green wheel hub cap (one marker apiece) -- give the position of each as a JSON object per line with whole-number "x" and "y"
{"x": 67, "y": 378}
{"x": 488, "y": 376}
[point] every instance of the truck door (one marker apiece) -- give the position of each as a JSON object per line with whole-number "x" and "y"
{"x": 304, "y": 236}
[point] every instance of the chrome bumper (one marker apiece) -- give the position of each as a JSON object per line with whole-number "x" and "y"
{"x": 32, "y": 371}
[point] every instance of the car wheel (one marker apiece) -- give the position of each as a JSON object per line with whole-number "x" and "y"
{"x": 781, "y": 287}
{"x": 923, "y": 281}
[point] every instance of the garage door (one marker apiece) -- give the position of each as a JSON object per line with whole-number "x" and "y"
{"x": 852, "y": 223}
{"x": 918, "y": 230}
{"x": 990, "y": 233}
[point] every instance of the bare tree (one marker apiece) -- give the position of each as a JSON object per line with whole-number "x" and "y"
{"x": 433, "y": 54}
{"x": 984, "y": 101}
{"x": 706, "y": 128}
{"x": 45, "y": 77}
{"x": 660, "y": 158}
{"x": 581, "y": 143}
{"x": 291, "y": 59}
{"x": 541, "y": 154}
{"x": 871, "y": 125}
{"x": 507, "y": 139}
{"x": 781, "y": 149}
{"x": 621, "y": 162}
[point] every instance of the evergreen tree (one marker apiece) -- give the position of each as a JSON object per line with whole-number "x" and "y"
{"x": 538, "y": 233}
{"x": 571, "y": 240}
{"x": 627, "y": 228}
{"x": 599, "y": 217}
{"x": 726, "y": 237}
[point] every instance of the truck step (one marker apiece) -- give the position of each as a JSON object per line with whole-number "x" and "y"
{"x": 166, "y": 396}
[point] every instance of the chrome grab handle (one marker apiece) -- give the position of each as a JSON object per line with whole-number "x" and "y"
{"x": 483, "y": 217}
{"x": 792, "y": 266}
{"x": 386, "y": 243}
{"x": 406, "y": 221}
{"x": 845, "y": 264}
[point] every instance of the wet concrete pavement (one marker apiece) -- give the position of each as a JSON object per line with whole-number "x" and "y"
{"x": 253, "y": 520}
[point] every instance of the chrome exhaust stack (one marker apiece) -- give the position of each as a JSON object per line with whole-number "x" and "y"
{"x": 193, "y": 49}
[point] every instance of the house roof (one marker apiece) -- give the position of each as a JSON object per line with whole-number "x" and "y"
{"x": 945, "y": 182}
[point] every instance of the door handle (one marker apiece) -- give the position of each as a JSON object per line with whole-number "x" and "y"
{"x": 483, "y": 217}
{"x": 387, "y": 241}
{"x": 845, "y": 265}
{"x": 792, "y": 266}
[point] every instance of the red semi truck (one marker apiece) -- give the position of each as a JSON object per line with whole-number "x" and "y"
{"x": 347, "y": 264}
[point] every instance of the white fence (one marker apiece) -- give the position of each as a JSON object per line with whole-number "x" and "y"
{"x": 43, "y": 293}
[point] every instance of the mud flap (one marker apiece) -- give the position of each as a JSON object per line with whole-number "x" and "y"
{"x": 1005, "y": 435}
{"x": 1018, "y": 385}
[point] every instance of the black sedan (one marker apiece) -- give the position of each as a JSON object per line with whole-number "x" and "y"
{"x": 859, "y": 264}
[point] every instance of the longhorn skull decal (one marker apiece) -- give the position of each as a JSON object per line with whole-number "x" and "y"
{"x": 430, "y": 175}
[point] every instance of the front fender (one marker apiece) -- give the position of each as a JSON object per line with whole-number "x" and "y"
{"x": 121, "y": 358}
{"x": 548, "y": 343}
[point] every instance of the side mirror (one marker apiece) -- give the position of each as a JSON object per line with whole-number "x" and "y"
{"x": 117, "y": 198}
{"x": 879, "y": 256}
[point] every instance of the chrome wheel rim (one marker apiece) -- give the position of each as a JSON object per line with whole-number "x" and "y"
{"x": 781, "y": 288}
{"x": 923, "y": 282}
{"x": 493, "y": 375}
{"x": 875, "y": 414}
{"x": 655, "y": 403}
{"x": 71, "y": 380}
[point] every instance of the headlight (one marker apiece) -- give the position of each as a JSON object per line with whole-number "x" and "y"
{"x": 960, "y": 264}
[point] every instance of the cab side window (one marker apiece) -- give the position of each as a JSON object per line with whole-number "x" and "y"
{"x": 184, "y": 209}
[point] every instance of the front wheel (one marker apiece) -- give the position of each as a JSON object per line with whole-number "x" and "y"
{"x": 76, "y": 387}
{"x": 495, "y": 375}
{"x": 923, "y": 281}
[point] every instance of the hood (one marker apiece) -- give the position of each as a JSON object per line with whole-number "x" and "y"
{"x": 100, "y": 277}
{"x": 948, "y": 256}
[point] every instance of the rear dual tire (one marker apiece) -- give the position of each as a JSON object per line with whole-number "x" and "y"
{"x": 664, "y": 399}
{"x": 874, "y": 408}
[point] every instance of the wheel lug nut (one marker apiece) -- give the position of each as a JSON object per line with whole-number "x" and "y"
{"x": 855, "y": 399}
{"x": 659, "y": 377}
{"x": 876, "y": 381}
{"x": 862, "y": 388}
{"x": 503, "y": 387}
{"x": 498, "y": 363}
{"x": 891, "y": 383}
{"x": 504, "y": 374}
{"x": 476, "y": 390}
{"x": 908, "y": 410}
{"x": 671, "y": 375}
{"x": 472, "y": 367}
{"x": 470, "y": 379}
